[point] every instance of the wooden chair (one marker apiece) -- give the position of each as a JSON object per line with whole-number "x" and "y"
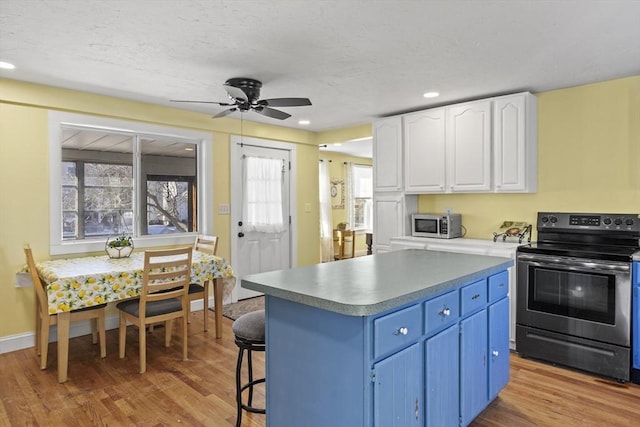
{"x": 345, "y": 244}
{"x": 44, "y": 320}
{"x": 207, "y": 244}
{"x": 163, "y": 298}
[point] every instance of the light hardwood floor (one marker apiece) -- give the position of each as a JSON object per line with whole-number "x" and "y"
{"x": 201, "y": 391}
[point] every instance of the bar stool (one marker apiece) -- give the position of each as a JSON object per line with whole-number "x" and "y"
{"x": 249, "y": 335}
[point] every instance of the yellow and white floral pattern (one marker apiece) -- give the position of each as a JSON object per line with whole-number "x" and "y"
{"x": 76, "y": 283}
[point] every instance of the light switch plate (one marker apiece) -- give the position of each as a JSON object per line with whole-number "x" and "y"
{"x": 224, "y": 209}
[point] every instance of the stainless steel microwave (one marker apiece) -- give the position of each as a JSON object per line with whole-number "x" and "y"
{"x": 447, "y": 226}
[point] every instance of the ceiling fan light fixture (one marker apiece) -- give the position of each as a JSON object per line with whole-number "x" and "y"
{"x": 431, "y": 94}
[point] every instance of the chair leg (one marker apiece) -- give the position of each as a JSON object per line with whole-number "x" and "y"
{"x": 239, "y": 388}
{"x": 102, "y": 333}
{"x": 205, "y": 302}
{"x": 38, "y": 327}
{"x": 142, "y": 333}
{"x": 185, "y": 333}
{"x": 250, "y": 376}
{"x": 122, "y": 335}
{"x": 168, "y": 330}
{"x": 44, "y": 343}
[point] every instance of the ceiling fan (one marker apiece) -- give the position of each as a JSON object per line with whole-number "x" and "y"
{"x": 244, "y": 93}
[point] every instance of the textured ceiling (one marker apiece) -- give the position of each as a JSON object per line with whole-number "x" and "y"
{"x": 355, "y": 59}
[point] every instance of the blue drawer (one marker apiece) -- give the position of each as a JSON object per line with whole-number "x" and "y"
{"x": 498, "y": 286}
{"x": 473, "y": 296}
{"x": 441, "y": 312}
{"x": 396, "y": 330}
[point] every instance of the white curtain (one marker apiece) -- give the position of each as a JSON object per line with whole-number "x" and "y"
{"x": 262, "y": 195}
{"x": 348, "y": 176}
{"x": 326, "y": 222}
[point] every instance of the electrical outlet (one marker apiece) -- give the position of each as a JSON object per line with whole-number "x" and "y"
{"x": 224, "y": 209}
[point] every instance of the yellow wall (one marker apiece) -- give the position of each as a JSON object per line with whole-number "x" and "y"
{"x": 24, "y": 164}
{"x": 588, "y": 160}
{"x": 337, "y": 171}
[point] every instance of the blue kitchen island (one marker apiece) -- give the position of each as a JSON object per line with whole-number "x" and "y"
{"x": 404, "y": 338}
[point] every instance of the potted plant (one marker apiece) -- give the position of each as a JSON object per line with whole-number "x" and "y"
{"x": 119, "y": 247}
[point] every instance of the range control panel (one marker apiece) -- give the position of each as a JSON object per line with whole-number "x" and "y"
{"x": 584, "y": 221}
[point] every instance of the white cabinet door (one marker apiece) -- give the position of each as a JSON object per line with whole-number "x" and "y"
{"x": 469, "y": 146}
{"x": 515, "y": 143}
{"x": 424, "y": 151}
{"x": 387, "y": 154}
{"x": 391, "y": 218}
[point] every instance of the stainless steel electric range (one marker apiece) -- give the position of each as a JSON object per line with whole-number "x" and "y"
{"x": 574, "y": 292}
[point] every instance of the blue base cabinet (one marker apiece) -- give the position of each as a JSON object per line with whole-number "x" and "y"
{"x": 433, "y": 362}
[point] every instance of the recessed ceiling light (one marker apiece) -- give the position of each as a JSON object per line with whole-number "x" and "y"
{"x": 303, "y": 122}
{"x": 7, "y": 66}
{"x": 431, "y": 94}
{"x": 188, "y": 149}
{"x": 337, "y": 144}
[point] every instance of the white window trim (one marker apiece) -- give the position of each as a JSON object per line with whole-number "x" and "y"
{"x": 205, "y": 180}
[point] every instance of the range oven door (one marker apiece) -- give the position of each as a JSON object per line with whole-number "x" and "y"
{"x": 584, "y": 298}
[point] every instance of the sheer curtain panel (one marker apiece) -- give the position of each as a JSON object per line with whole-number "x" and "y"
{"x": 262, "y": 198}
{"x": 326, "y": 222}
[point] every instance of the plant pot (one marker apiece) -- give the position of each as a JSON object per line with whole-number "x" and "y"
{"x": 119, "y": 251}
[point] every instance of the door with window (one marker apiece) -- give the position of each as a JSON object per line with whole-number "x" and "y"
{"x": 260, "y": 209}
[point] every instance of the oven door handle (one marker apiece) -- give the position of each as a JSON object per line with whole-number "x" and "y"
{"x": 574, "y": 263}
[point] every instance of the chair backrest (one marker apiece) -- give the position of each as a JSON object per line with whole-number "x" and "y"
{"x": 205, "y": 243}
{"x": 166, "y": 275}
{"x": 346, "y": 240}
{"x": 41, "y": 295}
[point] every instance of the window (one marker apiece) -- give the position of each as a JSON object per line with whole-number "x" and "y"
{"x": 361, "y": 197}
{"x": 112, "y": 177}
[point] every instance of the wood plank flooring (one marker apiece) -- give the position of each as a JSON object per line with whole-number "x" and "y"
{"x": 201, "y": 391}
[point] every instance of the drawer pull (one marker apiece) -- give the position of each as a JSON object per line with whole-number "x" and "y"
{"x": 402, "y": 331}
{"x": 495, "y": 353}
{"x": 445, "y": 312}
{"x": 476, "y": 296}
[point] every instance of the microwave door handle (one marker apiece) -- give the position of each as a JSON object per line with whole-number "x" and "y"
{"x": 577, "y": 265}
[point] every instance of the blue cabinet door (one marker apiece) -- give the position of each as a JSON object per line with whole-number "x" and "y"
{"x": 442, "y": 378}
{"x": 473, "y": 366}
{"x": 498, "y": 347}
{"x": 635, "y": 339}
{"x": 398, "y": 399}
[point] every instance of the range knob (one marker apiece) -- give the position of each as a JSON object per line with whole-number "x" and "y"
{"x": 553, "y": 219}
{"x": 618, "y": 221}
{"x": 607, "y": 221}
{"x": 629, "y": 221}
{"x": 544, "y": 219}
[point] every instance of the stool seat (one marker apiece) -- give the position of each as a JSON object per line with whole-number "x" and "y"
{"x": 249, "y": 331}
{"x": 250, "y": 326}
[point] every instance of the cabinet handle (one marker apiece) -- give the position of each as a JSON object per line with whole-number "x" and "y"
{"x": 445, "y": 312}
{"x": 495, "y": 353}
{"x": 476, "y": 296}
{"x": 417, "y": 409}
{"x": 402, "y": 331}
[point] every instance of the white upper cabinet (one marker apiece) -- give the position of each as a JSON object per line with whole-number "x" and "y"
{"x": 387, "y": 154}
{"x": 424, "y": 151}
{"x": 515, "y": 143}
{"x": 469, "y": 147}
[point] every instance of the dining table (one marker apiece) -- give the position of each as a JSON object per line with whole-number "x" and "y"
{"x": 80, "y": 282}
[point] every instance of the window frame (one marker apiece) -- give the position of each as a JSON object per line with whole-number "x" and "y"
{"x": 352, "y": 197}
{"x": 205, "y": 195}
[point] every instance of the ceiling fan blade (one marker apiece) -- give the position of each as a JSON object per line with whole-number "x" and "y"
{"x": 285, "y": 102}
{"x": 225, "y": 113}
{"x": 236, "y": 93}
{"x": 223, "y": 104}
{"x": 270, "y": 112}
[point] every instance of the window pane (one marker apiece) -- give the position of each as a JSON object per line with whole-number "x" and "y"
{"x": 169, "y": 171}
{"x": 108, "y": 199}
{"x": 362, "y": 181}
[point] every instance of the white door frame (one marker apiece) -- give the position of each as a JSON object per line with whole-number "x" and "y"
{"x": 236, "y": 192}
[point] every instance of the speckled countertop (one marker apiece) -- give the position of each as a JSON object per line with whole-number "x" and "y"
{"x": 372, "y": 284}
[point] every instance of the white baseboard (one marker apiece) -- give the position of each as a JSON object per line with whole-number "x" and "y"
{"x": 17, "y": 342}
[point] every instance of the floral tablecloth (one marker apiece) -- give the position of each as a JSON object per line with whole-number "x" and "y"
{"x": 75, "y": 283}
